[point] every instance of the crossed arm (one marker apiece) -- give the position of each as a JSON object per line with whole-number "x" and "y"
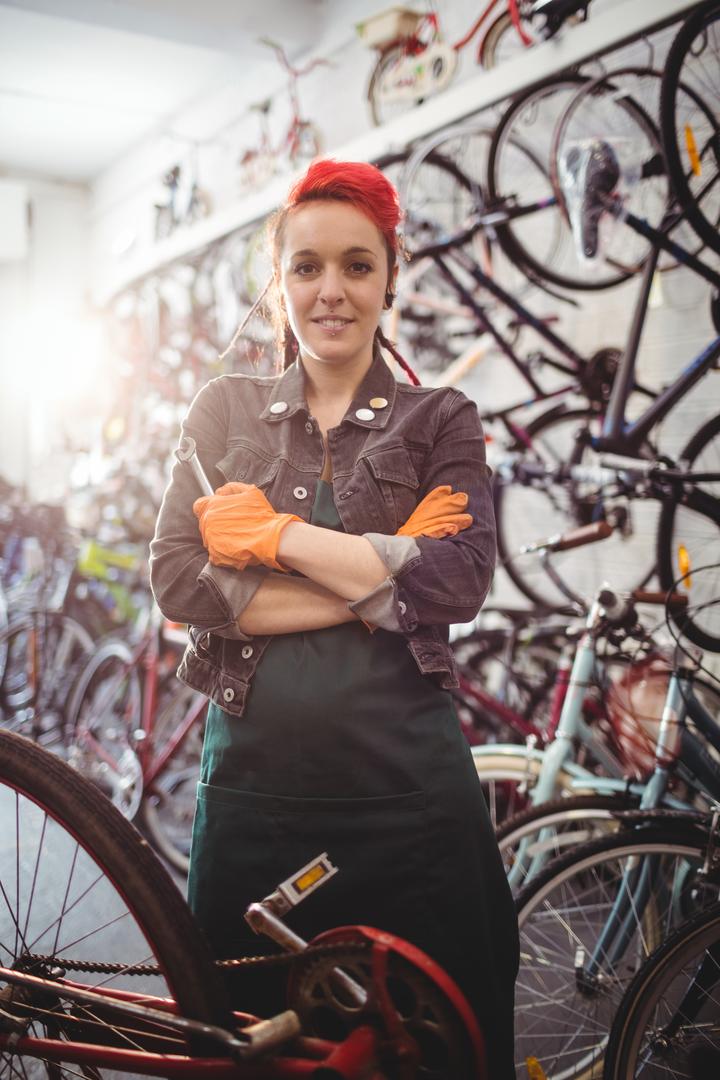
{"x": 338, "y": 568}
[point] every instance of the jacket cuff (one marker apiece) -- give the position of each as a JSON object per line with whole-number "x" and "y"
{"x": 395, "y": 551}
{"x": 236, "y": 589}
{"x": 383, "y": 606}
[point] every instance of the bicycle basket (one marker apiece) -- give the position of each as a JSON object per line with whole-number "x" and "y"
{"x": 635, "y": 704}
{"x": 382, "y": 29}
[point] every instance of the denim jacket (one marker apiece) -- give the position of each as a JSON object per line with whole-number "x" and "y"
{"x": 385, "y": 459}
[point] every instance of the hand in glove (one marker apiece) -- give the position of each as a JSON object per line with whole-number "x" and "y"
{"x": 239, "y": 527}
{"x": 439, "y": 514}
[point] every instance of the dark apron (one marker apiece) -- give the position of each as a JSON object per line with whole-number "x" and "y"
{"x": 346, "y": 748}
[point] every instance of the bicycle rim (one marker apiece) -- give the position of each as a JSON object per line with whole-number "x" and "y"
{"x": 666, "y": 1027}
{"x": 527, "y": 124}
{"x": 564, "y": 1008}
{"x": 691, "y": 134}
{"x": 78, "y": 884}
{"x": 689, "y": 539}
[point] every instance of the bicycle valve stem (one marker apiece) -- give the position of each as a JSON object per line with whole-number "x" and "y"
{"x": 186, "y": 452}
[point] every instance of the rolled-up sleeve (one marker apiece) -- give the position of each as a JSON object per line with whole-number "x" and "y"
{"x": 186, "y": 586}
{"x": 439, "y": 582}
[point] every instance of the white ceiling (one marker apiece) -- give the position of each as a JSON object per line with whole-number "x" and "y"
{"x": 81, "y": 81}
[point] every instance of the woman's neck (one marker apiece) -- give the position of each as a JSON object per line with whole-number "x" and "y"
{"x": 332, "y": 387}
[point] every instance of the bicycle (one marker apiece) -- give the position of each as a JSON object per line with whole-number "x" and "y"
{"x": 136, "y": 731}
{"x": 83, "y": 893}
{"x": 535, "y": 775}
{"x": 415, "y": 61}
{"x": 300, "y": 142}
{"x": 588, "y": 922}
{"x": 184, "y": 206}
{"x": 668, "y": 1020}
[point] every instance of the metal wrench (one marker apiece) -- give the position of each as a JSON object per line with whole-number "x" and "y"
{"x": 186, "y": 451}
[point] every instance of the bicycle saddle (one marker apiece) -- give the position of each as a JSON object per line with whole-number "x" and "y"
{"x": 555, "y": 13}
{"x": 589, "y": 174}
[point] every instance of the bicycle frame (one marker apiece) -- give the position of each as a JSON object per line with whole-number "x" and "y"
{"x": 618, "y": 436}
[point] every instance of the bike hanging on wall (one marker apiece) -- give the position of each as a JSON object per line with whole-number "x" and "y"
{"x": 415, "y": 61}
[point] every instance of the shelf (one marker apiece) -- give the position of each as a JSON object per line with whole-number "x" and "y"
{"x": 601, "y": 33}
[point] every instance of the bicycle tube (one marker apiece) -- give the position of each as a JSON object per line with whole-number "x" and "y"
{"x": 72, "y": 845}
{"x": 671, "y": 1018}
{"x": 701, "y": 151}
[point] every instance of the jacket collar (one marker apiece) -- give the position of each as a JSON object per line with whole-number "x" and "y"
{"x": 289, "y": 390}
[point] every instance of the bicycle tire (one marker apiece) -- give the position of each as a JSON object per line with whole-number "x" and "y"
{"x": 518, "y": 772}
{"x": 689, "y": 536}
{"x": 649, "y": 991}
{"x": 440, "y": 204}
{"x": 167, "y": 808}
{"x": 33, "y": 687}
{"x": 518, "y": 249}
{"x": 500, "y": 31}
{"x": 378, "y": 113}
{"x": 90, "y": 872}
{"x": 586, "y": 817}
{"x": 104, "y": 711}
{"x": 701, "y": 22}
{"x": 627, "y": 558}
{"x": 559, "y": 931}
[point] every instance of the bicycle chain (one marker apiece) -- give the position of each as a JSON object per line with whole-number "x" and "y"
{"x": 91, "y": 967}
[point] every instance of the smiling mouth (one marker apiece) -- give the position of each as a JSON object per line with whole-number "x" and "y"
{"x": 332, "y": 324}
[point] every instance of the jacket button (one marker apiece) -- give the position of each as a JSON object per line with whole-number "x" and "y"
{"x": 228, "y": 694}
{"x": 300, "y": 492}
{"x": 309, "y": 427}
{"x": 403, "y": 606}
{"x": 279, "y": 407}
{"x": 246, "y": 652}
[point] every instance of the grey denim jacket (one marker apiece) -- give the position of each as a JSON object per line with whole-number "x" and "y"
{"x": 258, "y": 429}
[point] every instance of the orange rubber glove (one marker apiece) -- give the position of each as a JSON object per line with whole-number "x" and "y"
{"x": 439, "y": 514}
{"x": 239, "y": 527}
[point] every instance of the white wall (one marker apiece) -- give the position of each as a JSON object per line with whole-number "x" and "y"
{"x": 48, "y": 340}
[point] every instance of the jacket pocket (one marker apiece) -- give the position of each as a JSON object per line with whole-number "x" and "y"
{"x": 243, "y": 463}
{"x": 397, "y": 479}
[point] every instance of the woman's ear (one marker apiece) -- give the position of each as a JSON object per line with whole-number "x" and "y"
{"x": 391, "y": 291}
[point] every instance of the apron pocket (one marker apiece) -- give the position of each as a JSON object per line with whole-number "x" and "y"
{"x": 246, "y": 843}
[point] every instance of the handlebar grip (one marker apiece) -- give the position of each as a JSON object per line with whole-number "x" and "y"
{"x": 648, "y": 596}
{"x": 585, "y": 534}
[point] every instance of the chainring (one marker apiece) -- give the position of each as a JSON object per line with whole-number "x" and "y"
{"x": 427, "y": 1029}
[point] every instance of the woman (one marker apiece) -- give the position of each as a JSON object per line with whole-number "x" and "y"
{"x": 319, "y": 582}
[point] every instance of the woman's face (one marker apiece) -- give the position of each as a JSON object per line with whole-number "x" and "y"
{"x": 333, "y": 276}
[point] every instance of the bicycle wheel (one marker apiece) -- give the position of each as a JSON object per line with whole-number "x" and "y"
{"x": 517, "y": 667}
{"x": 522, "y": 509}
{"x": 691, "y": 132}
{"x": 78, "y": 883}
{"x": 42, "y": 652}
{"x": 688, "y": 538}
{"x": 530, "y": 839}
{"x": 603, "y": 113}
{"x": 507, "y": 777}
{"x": 104, "y": 713}
{"x": 384, "y": 105}
{"x": 668, "y": 1022}
{"x": 521, "y": 138}
{"x": 428, "y": 321}
{"x": 501, "y": 42}
{"x": 571, "y": 981}
{"x": 168, "y": 807}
